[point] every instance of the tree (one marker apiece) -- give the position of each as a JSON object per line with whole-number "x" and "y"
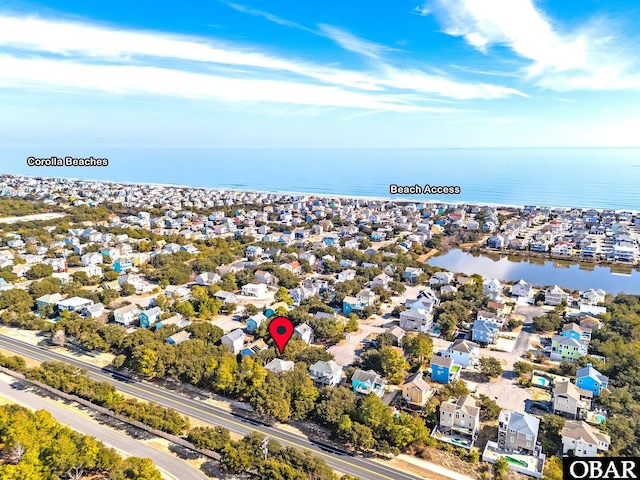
{"x": 490, "y": 367}
{"x": 393, "y": 364}
{"x": 489, "y": 409}
{"x": 418, "y": 347}
{"x": 550, "y": 427}
{"x": 39, "y": 270}
{"x": 127, "y": 289}
{"x": 352, "y": 324}
{"x": 501, "y": 468}
{"x": 250, "y": 310}
{"x": 111, "y": 276}
{"x": 59, "y": 338}
{"x": 282, "y": 295}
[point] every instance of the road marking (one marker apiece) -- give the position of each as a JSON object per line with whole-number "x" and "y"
{"x": 46, "y": 354}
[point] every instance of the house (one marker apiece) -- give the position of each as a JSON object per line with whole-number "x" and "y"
{"x": 346, "y": 275}
{"x": 588, "y": 378}
{"x": 367, "y": 382}
{"x": 51, "y": 299}
{"x": 326, "y": 373}
{"x": 93, "y": 258}
{"x": 440, "y": 278}
{"x": 590, "y": 323}
{"x": 208, "y": 278}
{"x": 463, "y": 352}
{"x": 398, "y": 333}
{"x": 278, "y": 366}
{"x": 571, "y": 401}
{"x": 486, "y": 316}
{"x": 484, "y": 332}
{"x": 563, "y": 248}
{"x": 92, "y": 311}
{"x": 254, "y": 347}
{"x": 567, "y": 348}
{"x": 305, "y": 332}
{"x": 411, "y": 274}
{"x": 495, "y": 242}
{"x": 522, "y": 289}
{"x": 592, "y": 296}
{"x": 416, "y": 320}
{"x": 226, "y": 297}
{"x": 92, "y": 270}
{"x": 415, "y": 390}
{"x": 178, "y": 337}
{"x": 177, "y": 320}
{"x": 149, "y": 317}
{"x": 381, "y": 280}
{"x": 254, "y": 251}
{"x": 492, "y": 289}
{"x": 267, "y": 278}
{"x": 254, "y": 322}
{"x": 73, "y": 304}
{"x": 126, "y": 315}
{"x": 555, "y": 295}
{"x": 122, "y": 265}
{"x": 573, "y": 330}
{"x": 363, "y": 298}
{"x": 254, "y": 290}
{"x": 460, "y": 417}
{"x": 444, "y": 369}
{"x": 518, "y": 432}
{"x": 234, "y": 340}
{"x": 582, "y": 440}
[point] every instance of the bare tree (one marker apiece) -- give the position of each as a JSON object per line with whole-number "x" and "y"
{"x": 76, "y": 473}
{"x": 59, "y": 338}
{"x": 16, "y": 453}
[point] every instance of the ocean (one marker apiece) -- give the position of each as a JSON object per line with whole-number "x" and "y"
{"x": 581, "y": 177}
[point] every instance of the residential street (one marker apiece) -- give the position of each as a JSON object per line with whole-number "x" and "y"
{"x": 171, "y": 466}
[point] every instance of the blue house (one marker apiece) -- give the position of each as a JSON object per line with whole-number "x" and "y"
{"x": 444, "y": 369}
{"x": 253, "y": 323}
{"x": 254, "y": 347}
{"x": 149, "y": 317}
{"x": 122, "y": 265}
{"x": 588, "y": 378}
{"x": 365, "y": 382}
{"x": 484, "y": 332}
{"x": 330, "y": 240}
{"x": 376, "y": 236}
{"x": 575, "y": 331}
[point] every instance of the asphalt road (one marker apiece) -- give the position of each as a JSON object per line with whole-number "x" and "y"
{"x": 353, "y": 465}
{"x": 168, "y": 463}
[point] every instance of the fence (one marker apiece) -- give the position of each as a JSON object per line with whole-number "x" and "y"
{"x": 105, "y": 411}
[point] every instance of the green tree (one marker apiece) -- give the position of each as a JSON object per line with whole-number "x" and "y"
{"x": 490, "y": 367}
{"x": 352, "y": 324}
{"x": 39, "y": 270}
{"x": 501, "y": 468}
{"x": 418, "y": 347}
{"x": 282, "y": 295}
{"x": 127, "y": 289}
{"x": 393, "y": 364}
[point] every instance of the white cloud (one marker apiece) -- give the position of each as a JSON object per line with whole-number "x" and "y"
{"x": 560, "y": 60}
{"x": 422, "y": 10}
{"x": 352, "y": 43}
{"x": 87, "y": 43}
{"x": 21, "y": 73}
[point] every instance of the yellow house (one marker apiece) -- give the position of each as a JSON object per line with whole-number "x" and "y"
{"x": 415, "y": 390}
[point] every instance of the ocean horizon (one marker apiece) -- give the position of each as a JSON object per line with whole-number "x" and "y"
{"x": 602, "y": 178}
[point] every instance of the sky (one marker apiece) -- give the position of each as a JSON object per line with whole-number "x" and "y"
{"x": 311, "y": 74}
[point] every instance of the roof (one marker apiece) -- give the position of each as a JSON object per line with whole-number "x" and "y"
{"x": 524, "y": 423}
{"x": 234, "y": 335}
{"x": 556, "y": 289}
{"x": 589, "y": 371}
{"x": 179, "y": 337}
{"x": 74, "y": 302}
{"x": 464, "y": 346}
{"x": 326, "y": 368}
{"x": 52, "y": 298}
{"x": 466, "y": 403}
{"x": 580, "y": 430}
{"x": 152, "y": 311}
{"x": 277, "y": 365}
{"x": 568, "y": 388}
{"x": 572, "y": 326}
{"x": 224, "y": 295}
{"x": 127, "y": 308}
{"x": 442, "y": 361}
{"x": 365, "y": 376}
{"x": 303, "y": 328}
{"x": 483, "y": 326}
{"x": 417, "y": 381}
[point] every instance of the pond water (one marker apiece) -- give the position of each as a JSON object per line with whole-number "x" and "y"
{"x": 539, "y": 271}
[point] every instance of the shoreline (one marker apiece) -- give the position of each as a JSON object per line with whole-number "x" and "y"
{"x": 329, "y": 196}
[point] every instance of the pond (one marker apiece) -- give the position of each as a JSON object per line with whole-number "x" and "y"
{"x": 540, "y": 271}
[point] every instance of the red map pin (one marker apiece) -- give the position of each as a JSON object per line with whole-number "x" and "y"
{"x": 281, "y": 330}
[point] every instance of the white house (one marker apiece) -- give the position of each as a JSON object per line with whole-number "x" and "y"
{"x": 208, "y": 278}
{"x": 326, "y": 373}
{"x": 305, "y": 332}
{"x": 583, "y": 439}
{"x": 278, "y": 366}
{"x": 439, "y": 278}
{"x": 234, "y": 340}
{"x": 555, "y": 295}
{"x": 416, "y": 320}
{"x": 93, "y": 258}
{"x": 463, "y": 352}
{"x": 493, "y": 289}
{"x": 126, "y": 315}
{"x": 521, "y": 289}
{"x": 254, "y": 290}
{"x": 74, "y": 304}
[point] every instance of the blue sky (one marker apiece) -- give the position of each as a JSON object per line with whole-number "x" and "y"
{"x": 310, "y": 74}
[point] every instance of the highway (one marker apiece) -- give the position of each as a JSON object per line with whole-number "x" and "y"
{"x": 353, "y": 465}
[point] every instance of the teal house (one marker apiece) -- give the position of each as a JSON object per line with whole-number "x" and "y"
{"x": 254, "y": 322}
{"x": 149, "y": 317}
